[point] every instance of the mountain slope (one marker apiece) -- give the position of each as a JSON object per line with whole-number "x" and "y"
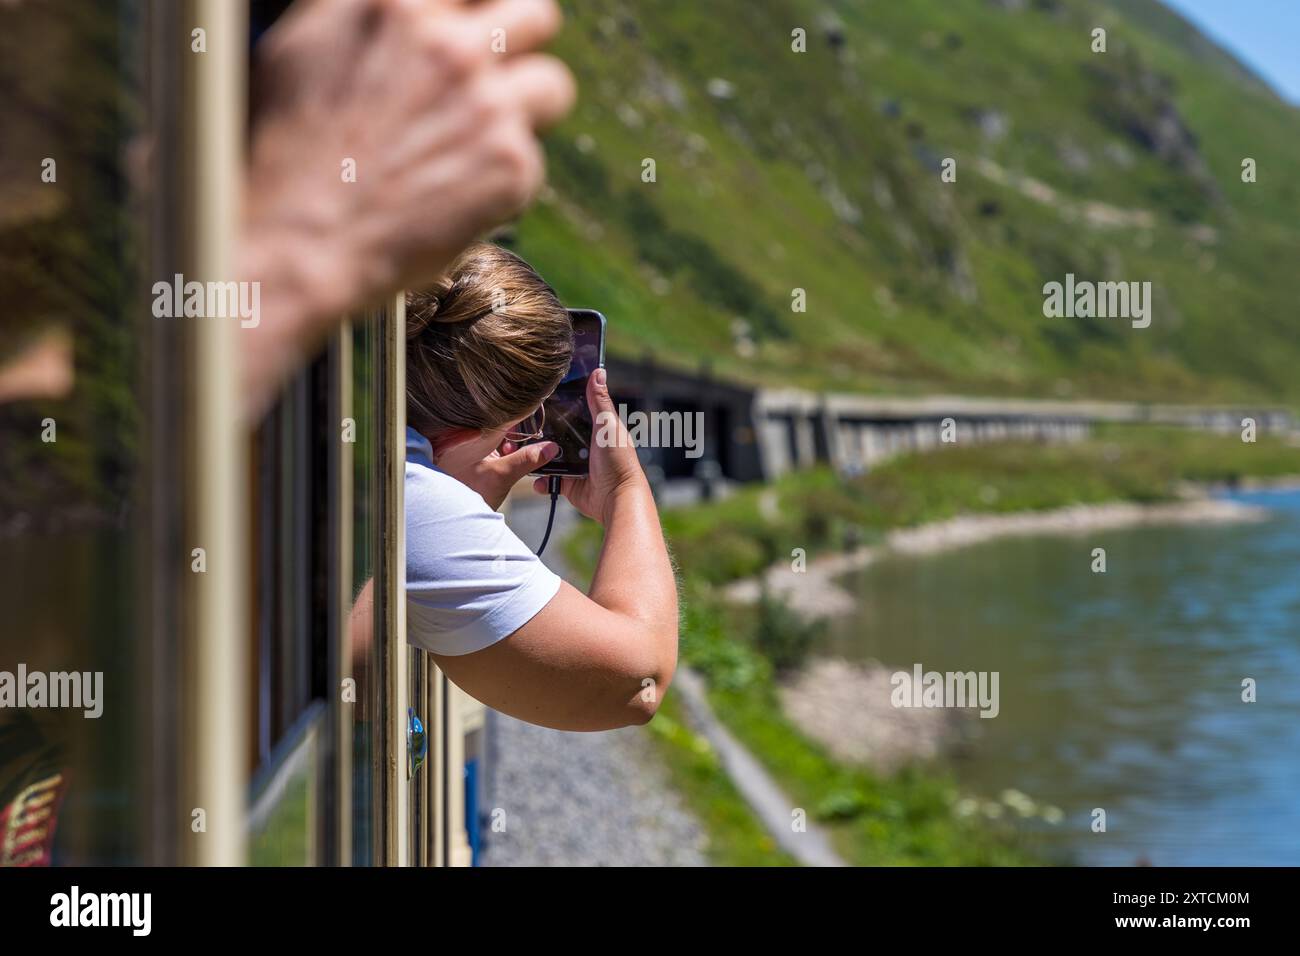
{"x": 777, "y": 170}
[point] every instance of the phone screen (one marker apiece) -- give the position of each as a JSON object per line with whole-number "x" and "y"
{"x": 568, "y": 421}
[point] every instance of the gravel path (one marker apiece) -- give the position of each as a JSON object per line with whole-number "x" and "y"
{"x": 584, "y": 800}
{"x": 572, "y": 799}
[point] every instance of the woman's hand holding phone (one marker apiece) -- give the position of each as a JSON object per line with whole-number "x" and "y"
{"x": 494, "y": 476}
{"x": 614, "y": 467}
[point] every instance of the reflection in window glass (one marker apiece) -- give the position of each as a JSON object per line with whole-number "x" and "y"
{"x": 70, "y": 431}
{"x": 288, "y": 799}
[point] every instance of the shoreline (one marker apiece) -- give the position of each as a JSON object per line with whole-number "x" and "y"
{"x": 845, "y": 706}
{"x": 814, "y": 594}
{"x": 1281, "y": 483}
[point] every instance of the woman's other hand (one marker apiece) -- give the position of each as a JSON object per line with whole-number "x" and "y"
{"x": 494, "y": 476}
{"x": 387, "y": 134}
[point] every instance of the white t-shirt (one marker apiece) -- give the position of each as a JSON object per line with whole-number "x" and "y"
{"x": 470, "y": 581}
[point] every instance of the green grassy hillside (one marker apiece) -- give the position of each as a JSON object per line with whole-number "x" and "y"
{"x": 778, "y": 170}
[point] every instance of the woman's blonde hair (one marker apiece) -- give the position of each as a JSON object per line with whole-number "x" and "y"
{"x": 485, "y": 345}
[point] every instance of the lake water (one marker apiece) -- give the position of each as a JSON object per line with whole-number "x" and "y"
{"x": 1120, "y": 690}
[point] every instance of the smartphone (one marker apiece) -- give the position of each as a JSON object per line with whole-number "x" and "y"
{"x": 567, "y": 420}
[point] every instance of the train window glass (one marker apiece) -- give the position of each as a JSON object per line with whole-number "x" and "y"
{"x": 290, "y": 801}
{"x": 71, "y": 433}
{"x": 295, "y": 504}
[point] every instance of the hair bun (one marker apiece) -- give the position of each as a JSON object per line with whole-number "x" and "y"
{"x": 417, "y": 320}
{"x": 427, "y": 307}
{"x": 442, "y": 309}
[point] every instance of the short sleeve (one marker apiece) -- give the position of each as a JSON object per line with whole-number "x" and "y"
{"x": 470, "y": 581}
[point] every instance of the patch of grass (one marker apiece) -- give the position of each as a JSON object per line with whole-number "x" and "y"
{"x": 904, "y": 819}
{"x": 736, "y": 837}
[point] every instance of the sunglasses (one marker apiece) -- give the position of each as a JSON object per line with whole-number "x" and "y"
{"x": 530, "y": 428}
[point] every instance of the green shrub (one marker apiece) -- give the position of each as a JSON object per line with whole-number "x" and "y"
{"x": 782, "y": 636}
